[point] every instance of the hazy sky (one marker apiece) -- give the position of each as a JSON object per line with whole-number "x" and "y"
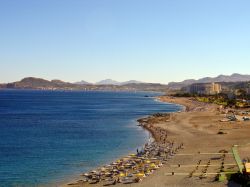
{"x": 146, "y": 40}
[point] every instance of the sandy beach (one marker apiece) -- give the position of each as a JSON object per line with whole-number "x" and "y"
{"x": 207, "y": 144}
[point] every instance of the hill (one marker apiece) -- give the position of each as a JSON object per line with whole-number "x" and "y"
{"x": 38, "y": 83}
{"x": 108, "y": 82}
{"x": 42, "y": 84}
{"x": 82, "y": 82}
{"x": 221, "y": 78}
{"x": 113, "y": 82}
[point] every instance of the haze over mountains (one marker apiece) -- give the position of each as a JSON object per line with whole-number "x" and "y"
{"x": 221, "y": 78}
{"x": 42, "y": 84}
{"x": 113, "y": 82}
{"x": 109, "y": 84}
{"x": 82, "y": 82}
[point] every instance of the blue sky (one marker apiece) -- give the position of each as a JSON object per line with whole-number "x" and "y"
{"x": 146, "y": 40}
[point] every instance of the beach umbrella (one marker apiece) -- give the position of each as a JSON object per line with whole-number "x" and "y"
{"x": 140, "y": 174}
{"x": 122, "y": 175}
{"x": 153, "y": 165}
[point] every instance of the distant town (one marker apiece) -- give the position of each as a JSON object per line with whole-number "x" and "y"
{"x": 225, "y": 90}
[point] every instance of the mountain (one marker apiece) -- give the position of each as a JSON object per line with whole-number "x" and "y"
{"x": 82, "y": 82}
{"x": 226, "y": 78}
{"x": 42, "y": 84}
{"x": 221, "y": 78}
{"x": 56, "y": 81}
{"x": 38, "y": 83}
{"x": 233, "y": 80}
{"x": 30, "y": 82}
{"x": 113, "y": 82}
{"x": 108, "y": 82}
{"x": 131, "y": 82}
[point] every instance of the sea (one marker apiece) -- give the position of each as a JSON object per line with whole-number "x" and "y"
{"x": 47, "y": 137}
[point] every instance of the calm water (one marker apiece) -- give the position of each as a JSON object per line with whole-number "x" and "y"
{"x": 49, "y": 136}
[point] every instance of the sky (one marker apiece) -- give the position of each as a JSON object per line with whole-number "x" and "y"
{"x": 146, "y": 40}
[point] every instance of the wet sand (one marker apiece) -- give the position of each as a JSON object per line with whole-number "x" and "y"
{"x": 204, "y": 152}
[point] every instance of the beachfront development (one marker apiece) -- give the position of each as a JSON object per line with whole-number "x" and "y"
{"x": 124, "y": 93}
{"x": 192, "y": 147}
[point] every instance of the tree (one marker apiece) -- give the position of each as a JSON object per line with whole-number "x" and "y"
{"x": 231, "y": 102}
{"x": 242, "y": 93}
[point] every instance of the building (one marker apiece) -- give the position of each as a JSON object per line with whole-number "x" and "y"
{"x": 248, "y": 91}
{"x": 205, "y": 88}
{"x": 197, "y": 88}
{"x": 216, "y": 88}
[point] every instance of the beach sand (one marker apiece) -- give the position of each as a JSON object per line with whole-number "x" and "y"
{"x": 204, "y": 149}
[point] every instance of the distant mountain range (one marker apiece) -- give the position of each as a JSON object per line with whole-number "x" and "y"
{"x": 113, "y": 82}
{"x": 108, "y": 82}
{"x": 37, "y": 83}
{"x": 42, "y": 84}
{"x": 83, "y": 83}
{"x": 221, "y": 78}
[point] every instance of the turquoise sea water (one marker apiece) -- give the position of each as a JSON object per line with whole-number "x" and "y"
{"x": 48, "y": 136}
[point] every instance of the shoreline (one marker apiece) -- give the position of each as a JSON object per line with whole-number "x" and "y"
{"x": 195, "y": 131}
{"x": 153, "y": 139}
{"x": 153, "y": 132}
